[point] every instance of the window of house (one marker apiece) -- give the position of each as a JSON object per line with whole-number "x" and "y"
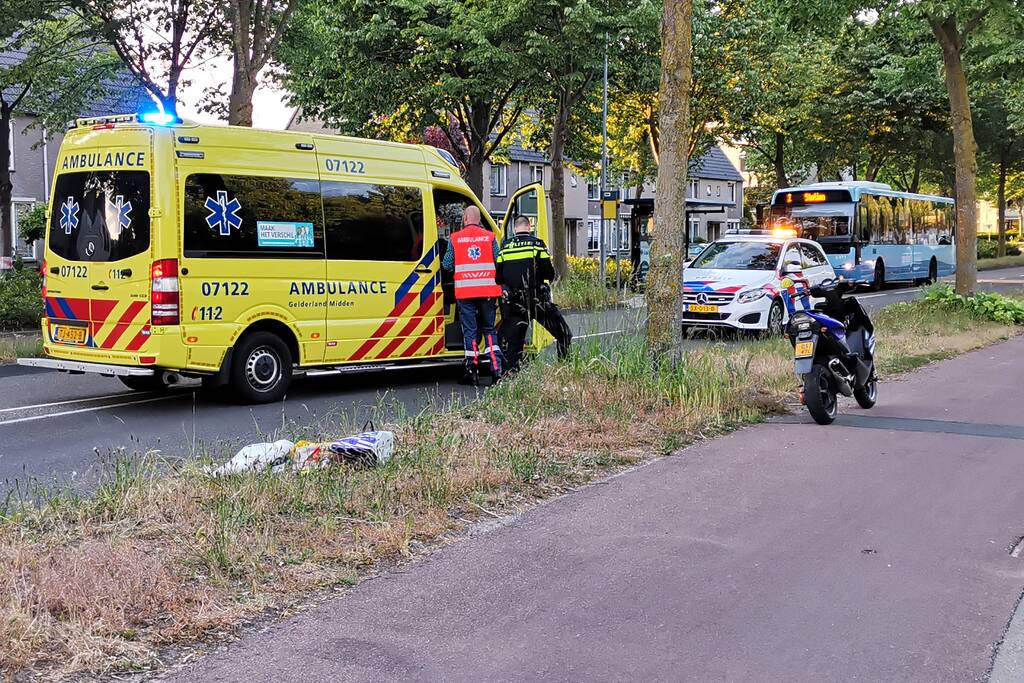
{"x": 732, "y": 192}
{"x": 573, "y": 180}
{"x": 499, "y": 179}
{"x": 718, "y": 190}
{"x": 593, "y": 234}
{"x": 694, "y": 229}
{"x": 709, "y": 189}
{"x": 238, "y": 216}
{"x": 537, "y": 173}
{"x": 25, "y": 250}
{"x": 593, "y": 191}
{"x": 10, "y": 146}
{"x": 694, "y": 189}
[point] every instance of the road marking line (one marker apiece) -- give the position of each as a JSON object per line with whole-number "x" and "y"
{"x": 597, "y": 334}
{"x": 895, "y": 292}
{"x": 65, "y": 403}
{"x": 88, "y": 410}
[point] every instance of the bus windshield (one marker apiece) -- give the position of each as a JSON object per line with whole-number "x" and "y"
{"x": 814, "y": 221}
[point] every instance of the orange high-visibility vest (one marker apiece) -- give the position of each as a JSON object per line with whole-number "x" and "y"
{"x": 474, "y": 264}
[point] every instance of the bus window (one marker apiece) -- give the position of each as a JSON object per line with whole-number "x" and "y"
{"x": 235, "y": 216}
{"x": 367, "y": 222}
{"x": 863, "y": 221}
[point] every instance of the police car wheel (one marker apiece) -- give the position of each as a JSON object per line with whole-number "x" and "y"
{"x": 147, "y": 383}
{"x": 261, "y": 368}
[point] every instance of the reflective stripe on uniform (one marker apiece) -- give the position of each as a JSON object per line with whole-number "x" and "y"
{"x": 475, "y": 282}
{"x": 473, "y": 267}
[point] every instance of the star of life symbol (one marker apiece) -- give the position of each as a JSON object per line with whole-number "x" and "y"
{"x": 123, "y": 209}
{"x": 474, "y": 252}
{"x": 69, "y": 215}
{"x": 223, "y": 214}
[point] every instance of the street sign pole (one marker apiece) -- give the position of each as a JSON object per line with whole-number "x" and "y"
{"x": 601, "y": 247}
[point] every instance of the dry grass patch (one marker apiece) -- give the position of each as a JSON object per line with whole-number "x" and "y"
{"x": 99, "y": 583}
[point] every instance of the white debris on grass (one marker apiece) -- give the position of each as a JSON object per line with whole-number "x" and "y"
{"x": 373, "y": 448}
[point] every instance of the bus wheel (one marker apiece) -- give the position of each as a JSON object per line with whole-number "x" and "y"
{"x": 147, "y": 383}
{"x": 261, "y": 368}
{"x": 879, "y": 281}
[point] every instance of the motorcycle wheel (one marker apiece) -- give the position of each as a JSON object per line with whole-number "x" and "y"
{"x": 820, "y": 395}
{"x": 867, "y": 396}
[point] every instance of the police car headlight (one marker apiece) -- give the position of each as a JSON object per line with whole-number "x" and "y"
{"x": 750, "y": 296}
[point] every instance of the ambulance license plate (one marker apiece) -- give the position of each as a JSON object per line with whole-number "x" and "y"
{"x": 702, "y": 308}
{"x": 804, "y": 349}
{"x": 70, "y": 335}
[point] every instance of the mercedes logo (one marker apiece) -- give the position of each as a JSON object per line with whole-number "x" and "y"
{"x": 702, "y": 298}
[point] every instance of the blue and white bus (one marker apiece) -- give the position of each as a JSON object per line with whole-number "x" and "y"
{"x": 871, "y": 233}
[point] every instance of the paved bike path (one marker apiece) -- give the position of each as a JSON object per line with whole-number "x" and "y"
{"x": 872, "y": 550}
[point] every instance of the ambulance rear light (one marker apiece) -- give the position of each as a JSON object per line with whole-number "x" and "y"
{"x": 42, "y": 273}
{"x": 166, "y": 299}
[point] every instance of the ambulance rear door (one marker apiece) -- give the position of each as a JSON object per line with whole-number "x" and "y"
{"x": 99, "y": 243}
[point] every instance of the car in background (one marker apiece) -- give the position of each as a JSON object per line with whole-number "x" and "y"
{"x": 736, "y": 281}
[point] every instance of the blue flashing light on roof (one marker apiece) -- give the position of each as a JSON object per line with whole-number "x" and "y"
{"x": 159, "y": 118}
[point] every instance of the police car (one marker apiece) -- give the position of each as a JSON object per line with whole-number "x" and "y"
{"x": 735, "y": 282}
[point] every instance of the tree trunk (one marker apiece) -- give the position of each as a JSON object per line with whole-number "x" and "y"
{"x": 915, "y": 183}
{"x": 7, "y": 236}
{"x": 476, "y": 139}
{"x": 664, "y": 290}
{"x": 1004, "y": 153}
{"x": 779, "y": 162}
{"x": 558, "y": 132}
{"x": 243, "y": 85}
{"x": 964, "y": 153}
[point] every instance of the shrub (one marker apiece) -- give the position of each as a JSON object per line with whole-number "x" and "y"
{"x": 585, "y": 268}
{"x": 988, "y": 305}
{"x": 990, "y": 249}
{"x": 21, "y": 300}
{"x": 32, "y": 224}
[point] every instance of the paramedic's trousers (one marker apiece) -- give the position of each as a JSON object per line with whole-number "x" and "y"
{"x": 477, "y": 316}
{"x": 515, "y": 323}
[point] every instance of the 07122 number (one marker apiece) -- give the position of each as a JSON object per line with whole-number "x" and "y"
{"x": 345, "y": 166}
{"x": 207, "y": 312}
{"x": 225, "y": 289}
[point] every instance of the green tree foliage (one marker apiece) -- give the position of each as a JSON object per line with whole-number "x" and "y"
{"x": 392, "y": 69}
{"x": 59, "y": 66}
{"x": 158, "y": 39}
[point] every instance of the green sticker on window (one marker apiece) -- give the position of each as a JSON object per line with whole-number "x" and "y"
{"x": 285, "y": 234}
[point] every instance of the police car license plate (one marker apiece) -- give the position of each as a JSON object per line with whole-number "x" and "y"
{"x": 702, "y": 308}
{"x": 804, "y": 349}
{"x": 70, "y": 335}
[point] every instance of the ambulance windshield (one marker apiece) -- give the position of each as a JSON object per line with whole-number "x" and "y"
{"x": 100, "y": 215}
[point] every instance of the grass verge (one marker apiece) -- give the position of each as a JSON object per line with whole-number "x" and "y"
{"x": 20, "y": 346}
{"x": 1004, "y": 262}
{"x": 100, "y": 583}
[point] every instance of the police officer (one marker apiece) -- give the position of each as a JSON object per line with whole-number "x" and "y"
{"x": 472, "y": 253}
{"x": 525, "y": 271}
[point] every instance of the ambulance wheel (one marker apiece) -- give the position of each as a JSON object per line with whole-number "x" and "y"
{"x": 261, "y": 368}
{"x": 144, "y": 383}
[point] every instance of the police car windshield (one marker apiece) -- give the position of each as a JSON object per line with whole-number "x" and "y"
{"x": 100, "y": 215}
{"x": 739, "y": 256}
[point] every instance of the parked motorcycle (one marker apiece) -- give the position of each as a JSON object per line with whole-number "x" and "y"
{"x": 833, "y": 347}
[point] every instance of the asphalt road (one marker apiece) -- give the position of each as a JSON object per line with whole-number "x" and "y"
{"x": 877, "y": 549}
{"x": 55, "y": 426}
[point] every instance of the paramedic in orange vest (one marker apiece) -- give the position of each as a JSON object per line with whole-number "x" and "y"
{"x": 472, "y": 253}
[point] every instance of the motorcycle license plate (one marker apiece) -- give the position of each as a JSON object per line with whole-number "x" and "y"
{"x": 70, "y": 335}
{"x": 702, "y": 308}
{"x": 804, "y": 349}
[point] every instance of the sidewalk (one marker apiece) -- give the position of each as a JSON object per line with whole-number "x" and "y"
{"x": 876, "y": 549}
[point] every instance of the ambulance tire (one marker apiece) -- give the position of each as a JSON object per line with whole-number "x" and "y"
{"x": 147, "y": 383}
{"x": 261, "y": 368}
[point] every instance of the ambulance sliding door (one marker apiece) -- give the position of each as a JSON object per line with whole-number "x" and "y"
{"x": 383, "y": 267}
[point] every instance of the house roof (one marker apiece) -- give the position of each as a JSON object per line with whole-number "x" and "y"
{"x": 714, "y": 165}
{"x": 123, "y": 93}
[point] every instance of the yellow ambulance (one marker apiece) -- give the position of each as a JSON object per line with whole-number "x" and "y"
{"x": 247, "y": 257}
